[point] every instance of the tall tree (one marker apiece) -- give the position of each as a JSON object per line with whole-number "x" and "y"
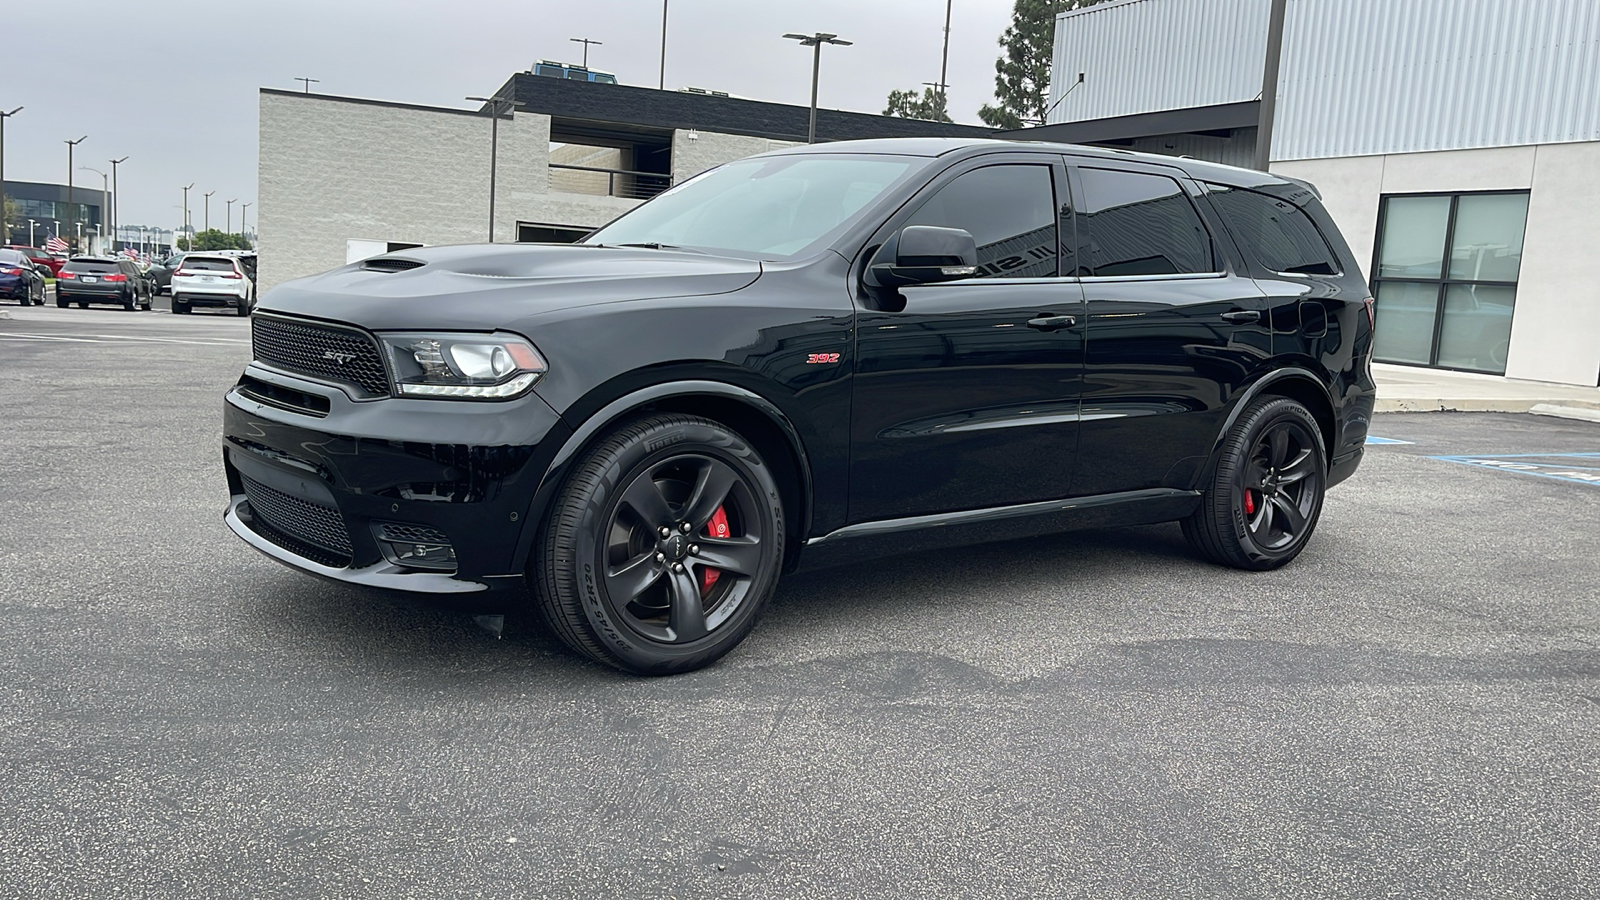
{"x": 1022, "y": 73}
{"x": 908, "y": 105}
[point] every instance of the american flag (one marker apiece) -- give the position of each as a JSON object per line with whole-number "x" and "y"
{"x": 54, "y": 244}
{"x": 130, "y": 253}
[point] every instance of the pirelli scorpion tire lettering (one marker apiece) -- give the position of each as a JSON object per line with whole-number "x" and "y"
{"x": 663, "y": 546}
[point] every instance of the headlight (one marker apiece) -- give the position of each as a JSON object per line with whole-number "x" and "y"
{"x": 462, "y": 366}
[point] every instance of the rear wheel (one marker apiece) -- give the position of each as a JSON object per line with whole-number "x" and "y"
{"x": 663, "y": 547}
{"x": 243, "y": 309}
{"x": 129, "y": 302}
{"x": 1265, "y": 496}
{"x": 62, "y": 301}
{"x": 179, "y": 307}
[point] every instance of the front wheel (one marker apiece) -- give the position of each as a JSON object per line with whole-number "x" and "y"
{"x": 1265, "y": 495}
{"x": 663, "y": 547}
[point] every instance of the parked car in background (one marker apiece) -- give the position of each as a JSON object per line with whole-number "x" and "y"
{"x": 162, "y": 271}
{"x": 20, "y": 278}
{"x": 211, "y": 279}
{"x": 94, "y": 279}
{"x": 40, "y": 257}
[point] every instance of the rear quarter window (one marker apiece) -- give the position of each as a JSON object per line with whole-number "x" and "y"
{"x": 1277, "y": 233}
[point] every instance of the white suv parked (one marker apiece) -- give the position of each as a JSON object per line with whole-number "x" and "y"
{"x": 212, "y": 280}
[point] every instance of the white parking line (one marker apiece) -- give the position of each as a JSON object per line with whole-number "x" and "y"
{"x": 114, "y": 338}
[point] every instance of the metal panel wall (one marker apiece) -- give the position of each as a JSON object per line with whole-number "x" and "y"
{"x": 1359, "y": 77}
{"x": 1365, "y": 77}
{"x": 1141, "y": 56}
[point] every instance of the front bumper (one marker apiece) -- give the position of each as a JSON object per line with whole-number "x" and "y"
{"x": 333, "y": 486}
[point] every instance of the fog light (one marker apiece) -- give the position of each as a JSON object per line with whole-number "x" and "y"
{"x": 415, "y": 547}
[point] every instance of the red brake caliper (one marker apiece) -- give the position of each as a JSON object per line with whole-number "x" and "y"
{"x": 1249, "y": 502}
{"x": 717, "y": 528}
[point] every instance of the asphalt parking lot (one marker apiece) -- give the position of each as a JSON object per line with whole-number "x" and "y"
{"x": 1412, "y": 708}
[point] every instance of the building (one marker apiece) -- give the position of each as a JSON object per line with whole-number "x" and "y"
{"x": 342, "y": 177}
{"x": 1455, "y": 142}
{"x": 46, "y": 205}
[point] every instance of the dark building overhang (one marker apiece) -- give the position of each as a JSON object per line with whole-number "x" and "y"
{"x": 1223, "y": 117}
{"x": 603, "y": 106}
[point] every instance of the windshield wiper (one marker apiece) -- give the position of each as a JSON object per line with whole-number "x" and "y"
{"x": 657, "y": 245}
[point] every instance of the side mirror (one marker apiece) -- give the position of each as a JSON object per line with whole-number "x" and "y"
{"x": 929, "y": 253}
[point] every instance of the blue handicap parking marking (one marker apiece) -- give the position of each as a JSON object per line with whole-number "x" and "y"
{"x": 1578, "y": 468}
{"x": 1379, "y": 440}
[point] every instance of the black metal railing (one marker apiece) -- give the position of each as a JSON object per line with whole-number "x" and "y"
{"x": 607, "y": 182}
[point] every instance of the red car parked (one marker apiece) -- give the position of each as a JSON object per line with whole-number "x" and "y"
{"x": 41, "y": 258}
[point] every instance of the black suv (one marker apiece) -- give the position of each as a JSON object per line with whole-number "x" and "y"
{"x": 90, "y": 279}
{"x": 811, "y": 355}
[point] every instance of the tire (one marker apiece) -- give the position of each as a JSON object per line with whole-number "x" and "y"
{"x": 619, "y": 579}
{"x": 130, "y": 302}
{"x": 83, "y": 304}
{"x": 1264, "y": 497}
{"x": 243, "y": 309}
{"x": 62, "y": 302}
{"x": 179, "y": 307}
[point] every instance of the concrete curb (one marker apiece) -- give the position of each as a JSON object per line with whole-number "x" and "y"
{"x": 1482, "y": 404}
{"x": 1566, "y": 412}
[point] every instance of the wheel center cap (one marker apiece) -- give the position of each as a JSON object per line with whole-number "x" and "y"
{"x": 675, "y": 547}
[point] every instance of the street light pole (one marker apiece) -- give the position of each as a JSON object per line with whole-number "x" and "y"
{"x": 30, "y": 234}
{"x": 186, "y": 229}
{"x": 72, "y": 212}
{"x": 663, "y": 84}
{"x": 1269, "y": 85}
{"x": 495, "y": 110}
{"x": 309, "y": 82}
{"x": 586, "y": 42}
{"x": 228, "y": 227}
{"x": 207, "y": 219}
{"x": 105, "y": 194}
{"x": 115, "y": 222}
{"x": 815, "y": 41}
{"x": 243, "y": 208}
{"x": 944, "y": 62}
{"x": 5, "y": 224}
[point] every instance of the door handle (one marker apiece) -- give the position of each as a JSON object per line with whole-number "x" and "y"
{"x": 1051, "y": 323}
{"x": 1241, "y": 316}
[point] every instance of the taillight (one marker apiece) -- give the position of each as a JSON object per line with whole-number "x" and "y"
{"x": 66, "y": 274}
{"x": 10, "y": 271}
{"x": 231, "y": 275}
{"x": 1372, "y": 314}
{"x": 115, "y": 278}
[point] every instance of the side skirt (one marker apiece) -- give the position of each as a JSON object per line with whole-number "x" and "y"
{"x": 887, "y": 537}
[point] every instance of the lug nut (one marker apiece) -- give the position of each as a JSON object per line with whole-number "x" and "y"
{"x": 685, "y": 527}
{"x": 677, "y": 567}
{"x": 665, "y": 531}
{"x": 694, "y": 548}
{"x": 661, "y": 557}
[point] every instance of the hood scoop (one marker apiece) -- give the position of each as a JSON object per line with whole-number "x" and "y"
{"x": 390, "y": 264}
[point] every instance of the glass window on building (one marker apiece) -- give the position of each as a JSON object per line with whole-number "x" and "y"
{"x": 1445, "y": 278}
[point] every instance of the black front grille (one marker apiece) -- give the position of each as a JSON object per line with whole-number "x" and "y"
{"x": 320, "y": 526}
{"x": 324, "y": 352}
{"x": 391, "y": 264}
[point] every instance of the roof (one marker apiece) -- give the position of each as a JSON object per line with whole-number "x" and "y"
{"x": 624, "y": 104}
{"x": 930, "y": 147}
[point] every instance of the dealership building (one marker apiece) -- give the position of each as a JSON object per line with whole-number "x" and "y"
{"x": 341, "y": 178}
{"x": 1455, "y": 142}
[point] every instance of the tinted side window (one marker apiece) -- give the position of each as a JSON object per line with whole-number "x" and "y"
{"x": 1137, "y": 224}
{"x": 1011, "y": 213}
{"x": 1274, "y": 231}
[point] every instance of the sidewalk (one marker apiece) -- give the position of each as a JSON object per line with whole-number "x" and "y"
{"x": 1411, "y": 389}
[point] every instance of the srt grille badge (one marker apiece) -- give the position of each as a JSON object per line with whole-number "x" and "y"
{"x": 340, "y": 358}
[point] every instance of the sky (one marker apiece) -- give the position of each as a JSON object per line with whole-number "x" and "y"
{"x": 173, "y": 85}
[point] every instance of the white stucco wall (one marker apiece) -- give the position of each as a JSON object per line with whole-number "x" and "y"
{"x": 333, "y": 169}
{"x": 1555, "y": 330}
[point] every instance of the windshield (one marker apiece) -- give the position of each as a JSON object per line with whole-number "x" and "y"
{"x": 771, "y": 208}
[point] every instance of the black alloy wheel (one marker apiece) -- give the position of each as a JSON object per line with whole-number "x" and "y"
{"x": 1265, "y": 497}
{"x": 663, "y": 547}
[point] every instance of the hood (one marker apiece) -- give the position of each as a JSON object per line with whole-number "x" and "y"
{"x": 481, "y": 287}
